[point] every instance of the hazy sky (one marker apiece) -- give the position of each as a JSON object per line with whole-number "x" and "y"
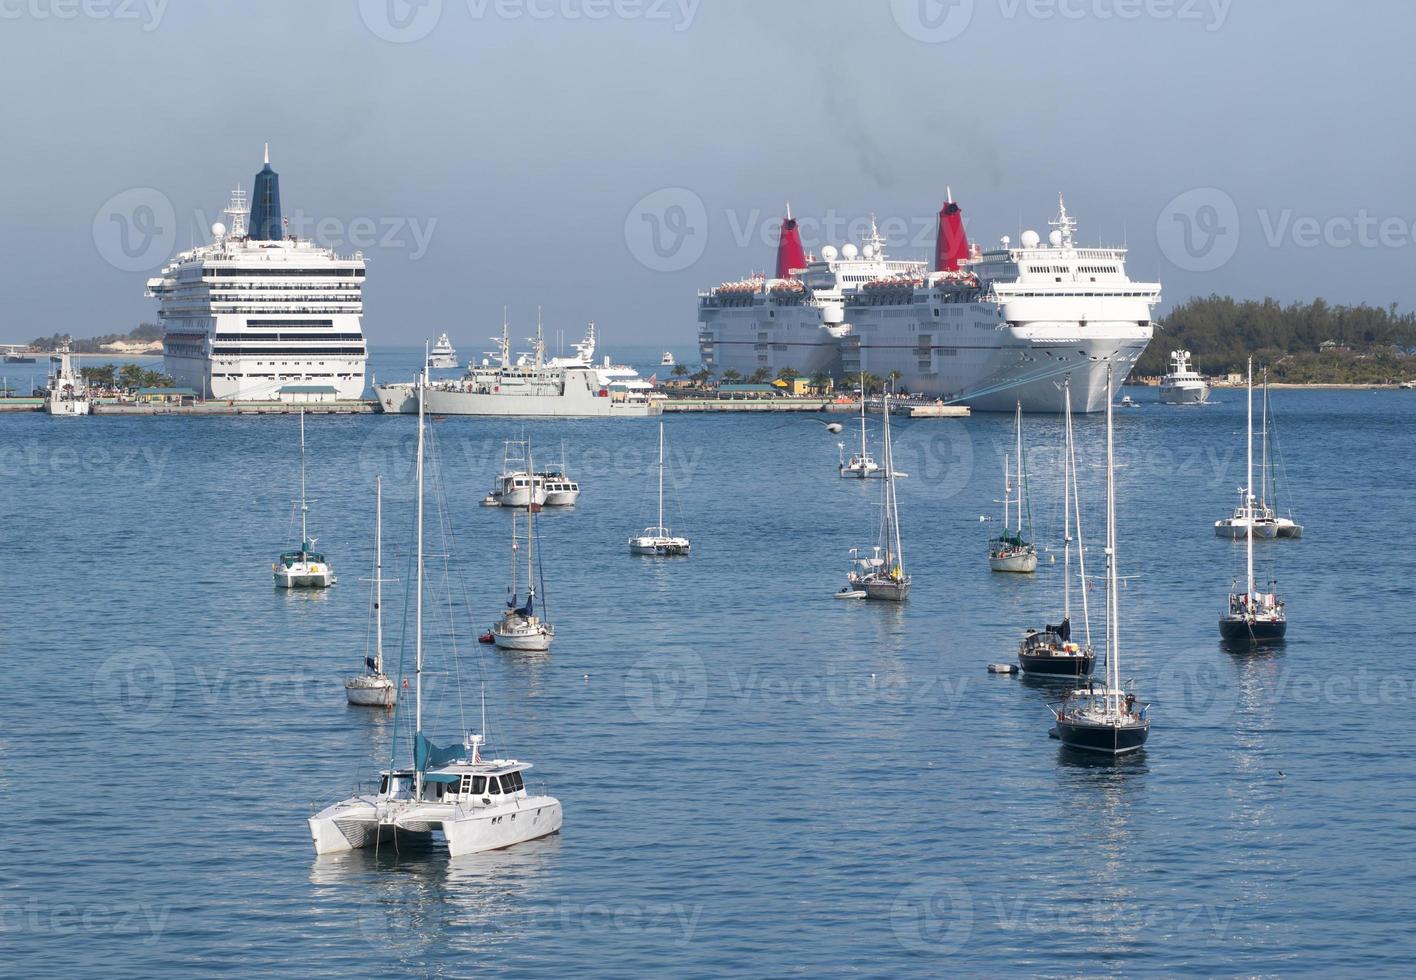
{"x": 606, "y": 158}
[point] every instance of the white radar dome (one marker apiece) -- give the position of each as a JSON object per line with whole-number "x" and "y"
{"x": 848, "y": 251}
{"x": 868, "y": 251}
{"x": 218, "y": 230}
{"x": 1030, "y": 239}
{"x": 1055, "y": 238}
{"x": 828, "y": 252}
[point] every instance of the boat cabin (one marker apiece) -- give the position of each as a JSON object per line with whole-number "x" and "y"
{"x": 460, "y": 782}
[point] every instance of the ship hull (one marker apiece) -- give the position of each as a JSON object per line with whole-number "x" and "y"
{"x": 1243, "y": 631}
{"x": 402, "y": 398}
{"x": 1191, "y": 394}
{"x": 1102, "y": 738}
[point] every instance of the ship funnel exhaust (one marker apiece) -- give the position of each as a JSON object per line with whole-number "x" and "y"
{"x": 790, "y": 255}
{"x": 265, "y": 223}
{"x": 951, "y": 246}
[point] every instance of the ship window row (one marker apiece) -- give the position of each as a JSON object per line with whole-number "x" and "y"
{"x": 282, "y": 324}
{"x": 323, "y": 273}
{"x": 241, "y": 351}
{"x": 248, "y": 337}
{"x": 248, "y": 310}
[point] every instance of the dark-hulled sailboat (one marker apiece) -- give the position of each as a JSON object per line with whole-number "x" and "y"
{"x": 1052, "y": 652}
{"x": 1253, "y": 617}
{"x": 1102, "y": 717}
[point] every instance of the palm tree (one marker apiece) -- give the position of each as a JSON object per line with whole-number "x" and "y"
{"x": 701, "y": 377}
{"x": 760, "y": 376}
{"x": 788, "y": 374}
{"x": 870, "y": 383}
{"x": 820, "y": 382}
{"x": 679, "y": 370}
{"x": 731, "y": 376}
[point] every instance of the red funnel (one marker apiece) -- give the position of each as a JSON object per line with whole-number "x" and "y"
{"x": 951, "y": 246}
{"x": 790, "y": 255}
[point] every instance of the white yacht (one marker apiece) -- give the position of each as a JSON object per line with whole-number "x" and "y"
{"x": 303, "y": 567}
{"x": 477, "y": 804}
{"x": 882, "y": 575}
{"x": 67, "y": 393}
{"x": 660, "y": 539}
{"x": 256, "y": 310}
{"x": 983, "y": 327}
{"x": 861, "y": 464}
{"x": 516, "y": 485}
{"x": 442, "y": 354}
{"x": 373, "y": 688}
{"x": 667, "y": 360}
{"x": 1183, "y": 385}
{"x": 1011, "y": 551}
{"x": 560, "y": 490}
{"x": 529, "y": 384}
{"x": 520, "y": 626}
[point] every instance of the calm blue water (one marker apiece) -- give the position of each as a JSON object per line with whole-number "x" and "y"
{"x": 757, "y": 779}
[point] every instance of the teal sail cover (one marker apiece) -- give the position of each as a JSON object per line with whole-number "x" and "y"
{"x": 426, "y": 754}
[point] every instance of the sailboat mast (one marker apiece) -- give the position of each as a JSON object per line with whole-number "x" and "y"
{"x": 661, "y": 476}
{"x": 1113, "y": 626}
{"x": 1018, "y": 429}
{"x": 378, "y": 574}
{"x": 418, "y": 600}
{"x": 530, "y": 532}
{"x": 1066, "y": 503}
{"x": 1007, "y": 489}
{"x": 304, "y": 536}
{"x": 1077, "y": 511}
{"x": 1263, "y": 465}
{"x": 894, "y": 541}
{"x": 862, "y": 420}
{"x": 1249, "y": 491}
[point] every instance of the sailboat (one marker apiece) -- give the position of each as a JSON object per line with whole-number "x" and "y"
{"x": 1105, "y": 718}
{"x": 374, "y": 688}
{"x": 659, "y": 539}
{"x": 477, "y": 804}
{"x": 1052, "y": 651}
{"x": 1252, "y": 518}
{"x": 882, "y": 575}
{"x": 1010, "y": 551}
{"x": 519, "y": 628}
{"x": 1253, "y": 616}
{"x": 861, "y": 464}
{"x": 303, "y": 567}
{"x": 1283, "y": 527}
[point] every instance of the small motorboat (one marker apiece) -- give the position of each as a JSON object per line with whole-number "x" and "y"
{"x": 1002, "y": 668}
{"x": 847, "y": 592}
{"x": 487, "y": 637}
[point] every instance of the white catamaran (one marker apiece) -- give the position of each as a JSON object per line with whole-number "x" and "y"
{"x": 659, "y": 539}
{"x": 477, "y": 804}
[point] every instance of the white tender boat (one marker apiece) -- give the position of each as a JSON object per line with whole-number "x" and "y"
{"x": 659, "y": 539}
{"x": 882, "y": 574}
{"x": 516, "y": 485}
{"x": 373, "y": 688}
{"x": 1183, "y": 385}
{"x": 1011, "y": 551}
{"x": 303, "y": 567}
{"x": 560, "y": 490}
{"x": 477, "y": 805}
{"x": 442, "y": 354}
{"x": 67, "y": 393}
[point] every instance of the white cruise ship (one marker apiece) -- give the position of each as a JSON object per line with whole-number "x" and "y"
{"x": 257, "y": 311}
{"x": 984, "y": 328}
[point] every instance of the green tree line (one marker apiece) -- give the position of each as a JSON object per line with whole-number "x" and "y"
{"x": 1369, "y": 344}
{"x": 143, "y": 333}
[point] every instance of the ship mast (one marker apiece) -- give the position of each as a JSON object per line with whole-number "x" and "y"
{"x": 1249, "y": 493}
{"x": 418, "y": 602}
